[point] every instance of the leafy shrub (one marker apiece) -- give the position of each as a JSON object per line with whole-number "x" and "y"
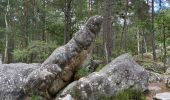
{"x": 37, "y": 51}
{"x": 81, "y": 72}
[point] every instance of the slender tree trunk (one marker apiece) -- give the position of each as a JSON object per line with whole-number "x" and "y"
{"x": 26, "y": 37}
{"x": 6, "y": 35}
{"x": 125, "y": 28}
{"x": 153, "y": 33}
{"x": 44, "y": 21}
{"x": 138, "y": 41}
{"x": 107, "y": 30}
{"x": 146, "y": 48}
{"x": 90, "y": 7}
{"x": 6, "y": 49}
{"x": 67, "y": 21}
{"x": 142, "y": 42}
{"x": 164, "y": 46}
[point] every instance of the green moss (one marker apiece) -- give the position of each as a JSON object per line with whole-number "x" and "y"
{"x": 128, "y": 94}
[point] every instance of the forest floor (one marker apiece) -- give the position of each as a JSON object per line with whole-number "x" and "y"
{"x": 160, "y": 87}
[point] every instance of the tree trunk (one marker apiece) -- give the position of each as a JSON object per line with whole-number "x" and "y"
{"x": 164, "y": 46}
{"x": 6, "y": 49}
{"x": 6, "y": 35}
{"x": 153, "y": 33}
{"x": 125, "y": 28}
{"x": 26, "y": 37}
{"x": 44, "y": 21}
{"x": 138, "y": 42}
{"x": 107, "y": 30}
{"x": 146, "y": 48}
{"x": 142, "y": 42}
{"x": 67, "y": 21}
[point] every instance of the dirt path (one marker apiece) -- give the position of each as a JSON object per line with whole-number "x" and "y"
{"x": 156, "y": 88}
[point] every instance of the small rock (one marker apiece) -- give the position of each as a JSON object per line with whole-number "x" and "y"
{"x": 67, "y": 97}
{"x": 162, "y": 96}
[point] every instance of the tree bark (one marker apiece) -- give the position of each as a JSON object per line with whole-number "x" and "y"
{"x": 26, "y": 37}
{"x": 7, "y": 32}
{"x": 107, "y": 30}
{"x": 125, "y": 28}
{"x": 164, "y": 46}
{"x": 67, "y": 20}
{"x": 153, "y": 33}
{"x": 44, "y": 21}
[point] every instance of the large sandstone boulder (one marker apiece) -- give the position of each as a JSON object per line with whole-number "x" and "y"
{"x": 121, "y": 73}
{"x": 19, "y": 81}
{"x": 12, "y": 77}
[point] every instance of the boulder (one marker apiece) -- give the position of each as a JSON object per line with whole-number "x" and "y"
{"x": 122, "y": 73}
{"x": 12, "y": 78}
{"x": 67, "y": 97}
{"x": 162, "y": 96}
{"x": 167, "y": 77}
{"x": 155, "y": 77}
{"x": 19, "y": 81}
{"x": 0, "y": 59}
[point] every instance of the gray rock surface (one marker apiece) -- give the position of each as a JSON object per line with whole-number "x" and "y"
{"x": 155, "y": 77}
{"x": 167, "y": 77}
{"x": 0, "y": 59}
{"x": 12, "y": 77}
{"x": 121, "y": 73}
{"x": 67, "y": 97}
{"x": 21, "y": 80}
{"x": 162, "y": 96}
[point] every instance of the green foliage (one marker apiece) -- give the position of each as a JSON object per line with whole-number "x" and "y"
{"x": 55, "y": 28}
{"x": 99, "y": 67}
{"x": 129, "y": 94}
{"x": 37, "y": 51}
{"x": 82, "y": 71}
{"x": 34, "y": 97}
{"x": 20, "y": 55}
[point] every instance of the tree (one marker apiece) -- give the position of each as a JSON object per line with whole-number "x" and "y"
{"x": 125, "y": 27}
{"x": 107, "y": 30}
{"x": 153, "y": 33}
{"x": 67, "y": 20}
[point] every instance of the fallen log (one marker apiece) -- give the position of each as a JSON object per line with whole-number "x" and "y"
{"x": 21, "y": 81}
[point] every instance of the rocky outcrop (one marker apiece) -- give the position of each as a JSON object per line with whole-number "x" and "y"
{"x": 12, "y": 77}
{"x": 162, "y": 96}
{"x": 21, "y": 80}
{"x": 121, "y": 73}
{"x": 167, "y": 77}
{"x": 155, "y": 77}
{"x": 0, "y": 59}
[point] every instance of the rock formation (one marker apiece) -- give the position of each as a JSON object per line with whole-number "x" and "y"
{"x": 19, "y": 81}
{"x": 122, "y": 73}
{"x": 167, "y": 78}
